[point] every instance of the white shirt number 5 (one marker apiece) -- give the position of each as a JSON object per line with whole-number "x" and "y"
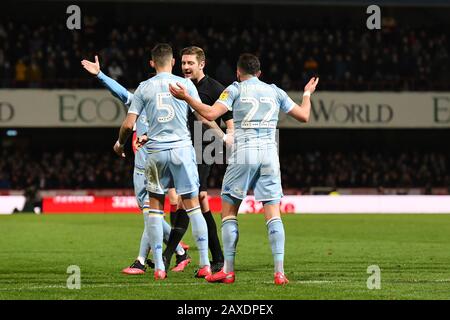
{"x": 160, "y": 105}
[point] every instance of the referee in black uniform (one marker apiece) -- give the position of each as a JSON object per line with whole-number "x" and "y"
{"x": 192, "y": 64}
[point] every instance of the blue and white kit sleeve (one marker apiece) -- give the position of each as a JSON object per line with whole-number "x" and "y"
{"x": 228, "y": 96}
{"x": 137, "y": 105}
{"x": 286, "y": 103}
{"x": 116, "y": 89}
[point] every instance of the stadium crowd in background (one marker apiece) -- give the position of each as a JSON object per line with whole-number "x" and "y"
{"x": 396, "y": 58}
{"x": 81, "y": 170}
{"x": 64, "y": 170}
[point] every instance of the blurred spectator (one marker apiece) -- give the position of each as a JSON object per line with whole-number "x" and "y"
{"x": 50, "y": 72}
{"x": 224, "y": 73}
{"x": 311, "y": 67}
{"x": 398, "y": 58}
{"x": 340, "y": 68}
{"x": 115, "y": 71}
{"x": 21, "y": 73}
{"x": 315, "y": 168}
{"x": 4, "y": 181}
{"x": 64, "y": 170}
{"x": 35, "y": 75}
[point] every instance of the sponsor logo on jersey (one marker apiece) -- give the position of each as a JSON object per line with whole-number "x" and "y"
{"x": 224, "y": 95}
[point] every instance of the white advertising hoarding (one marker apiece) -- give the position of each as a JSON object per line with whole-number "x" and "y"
{"x": 355, "y": 204}
{"x": 308, "y": 204}
{"x": 374, "y": 110}
{"x": 10, "y": 203}
{"x": 60, "y": 108}
{"x": 98, "y": 108}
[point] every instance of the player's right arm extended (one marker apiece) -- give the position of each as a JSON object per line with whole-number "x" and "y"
{"x": 112, "y": 85}
{"x": 302, "y": 112}
{"x": 211, "y": 113}
{"x": 116, "y": 88}
{"x": 210, "y": 125}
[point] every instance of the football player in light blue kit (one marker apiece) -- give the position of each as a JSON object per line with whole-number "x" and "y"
{"x": 138, "y": 266}
{"x": 254, "y": 162}
{"x": 171, "y": 160}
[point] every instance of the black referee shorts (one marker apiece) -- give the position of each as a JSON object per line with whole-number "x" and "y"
{"x": 203, "y": 175}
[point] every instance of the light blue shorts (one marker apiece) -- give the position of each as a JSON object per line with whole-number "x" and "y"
{"x": 253, "y": 169}
{"x": 139, "y": 180}
{"x": 172, "y": 168}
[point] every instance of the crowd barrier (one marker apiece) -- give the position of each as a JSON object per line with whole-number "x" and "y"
{"x": 305, "y": 204}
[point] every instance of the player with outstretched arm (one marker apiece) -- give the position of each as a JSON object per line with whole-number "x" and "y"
{"x": 139, "y": 265}
{"x": 193, "y": 62}
{"x": 171, "y": 157}
{"x": 254, "y": 163}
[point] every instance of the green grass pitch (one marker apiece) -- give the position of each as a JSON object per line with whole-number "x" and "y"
{"x": 327, "y": 257}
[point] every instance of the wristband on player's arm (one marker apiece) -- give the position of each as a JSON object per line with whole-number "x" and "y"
{"x": 100, "y": 75}
{"x": 307, "y": 93}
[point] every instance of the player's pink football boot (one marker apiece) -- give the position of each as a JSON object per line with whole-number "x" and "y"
{"x": 280, "y": 279}
{"x": 221, "y": 276}
{"x": 184, "y": 245}
{"x": 203, "y": 272}
{"x": 160, "y": 274}
{"x": 135, "y": 268}
{"x": 182, "y": 262}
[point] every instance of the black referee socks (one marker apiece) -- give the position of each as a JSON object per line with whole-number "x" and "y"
{"x": 213, "y": 239}
{"x": 176, "y": 234}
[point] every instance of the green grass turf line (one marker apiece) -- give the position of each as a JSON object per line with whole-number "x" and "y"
{"x": 326, "y": 258}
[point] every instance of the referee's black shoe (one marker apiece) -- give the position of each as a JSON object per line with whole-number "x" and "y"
{"x": 216, "y": 266}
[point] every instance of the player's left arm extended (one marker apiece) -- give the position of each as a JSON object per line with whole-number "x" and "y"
{"x": 302, "y": 112}
{"x": 211, "y": 113}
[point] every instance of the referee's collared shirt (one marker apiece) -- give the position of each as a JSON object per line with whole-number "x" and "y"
{"x": 209, "y": 91}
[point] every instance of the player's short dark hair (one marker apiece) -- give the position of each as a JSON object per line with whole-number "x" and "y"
{"x": 249, "y": 63}
{"x": 193, "y": 50}
{"x": 162, "y": 54}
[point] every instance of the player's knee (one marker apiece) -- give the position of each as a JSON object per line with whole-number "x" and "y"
{"x": 173, "y": 196}
{"x": 142, "y": 202}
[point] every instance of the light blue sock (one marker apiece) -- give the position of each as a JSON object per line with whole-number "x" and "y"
{"x": 200, "y": 234}
{"x": 155, "y": 235}
{"x": 144, "y": 247}
{"x": 166, "y": 229}
{"x": 230, "y": 237}
{"x": 275, "y": 230}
